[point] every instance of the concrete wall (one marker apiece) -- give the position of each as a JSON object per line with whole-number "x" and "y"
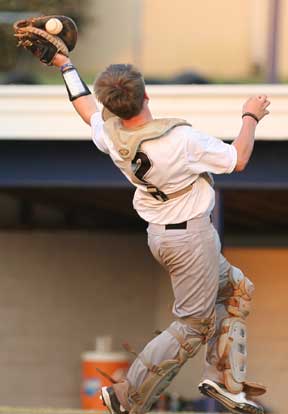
{"x": 58, "y": 292}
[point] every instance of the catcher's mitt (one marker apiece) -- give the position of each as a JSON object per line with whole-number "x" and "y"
{"x": 47, "y": 35}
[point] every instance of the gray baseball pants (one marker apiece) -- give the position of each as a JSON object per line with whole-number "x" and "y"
{"x": 198, "y": 273}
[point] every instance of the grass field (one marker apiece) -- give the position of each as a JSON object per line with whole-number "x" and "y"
{"x": 22, "y": 410}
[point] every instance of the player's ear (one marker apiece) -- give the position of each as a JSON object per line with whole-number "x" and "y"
{"x": 146, "y": 96}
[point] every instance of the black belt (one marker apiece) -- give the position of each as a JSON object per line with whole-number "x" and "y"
{"x": 178, "y": 226}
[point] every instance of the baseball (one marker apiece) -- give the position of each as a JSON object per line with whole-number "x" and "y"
{"x": 54, "y": 26}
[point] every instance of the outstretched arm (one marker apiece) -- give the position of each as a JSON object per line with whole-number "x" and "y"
{"x": 254, "y": 109}
{"x": 85, "y": 105}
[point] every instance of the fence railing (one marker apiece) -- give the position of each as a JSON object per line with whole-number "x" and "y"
{"x": 44, "y": 112}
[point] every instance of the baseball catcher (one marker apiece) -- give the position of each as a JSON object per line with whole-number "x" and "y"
{"x": 168, "y": 161}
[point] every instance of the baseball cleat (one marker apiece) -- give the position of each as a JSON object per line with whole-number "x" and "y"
{"x": 110, "y": 400}
{"x": 236, "y": 403}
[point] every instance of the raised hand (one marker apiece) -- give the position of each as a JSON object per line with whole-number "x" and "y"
{"x": 257, "y": 105}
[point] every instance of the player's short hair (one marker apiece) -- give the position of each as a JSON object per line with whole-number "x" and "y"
{"x": 121, "y": 89}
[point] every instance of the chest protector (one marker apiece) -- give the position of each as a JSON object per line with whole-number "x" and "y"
{"x": 127, "y": 143}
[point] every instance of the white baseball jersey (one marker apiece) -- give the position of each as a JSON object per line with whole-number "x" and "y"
{"x": 173, "y": 162}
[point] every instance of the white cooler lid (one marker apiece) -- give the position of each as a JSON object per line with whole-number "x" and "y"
{"x": 104, "y": 356}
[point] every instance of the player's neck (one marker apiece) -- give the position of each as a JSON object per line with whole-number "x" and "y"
{"x": 141, "y": 119}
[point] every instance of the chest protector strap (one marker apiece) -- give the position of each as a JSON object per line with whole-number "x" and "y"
{"x": 127, "y": 143}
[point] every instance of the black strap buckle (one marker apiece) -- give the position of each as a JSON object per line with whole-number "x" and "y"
{"x": 156, "y": 193}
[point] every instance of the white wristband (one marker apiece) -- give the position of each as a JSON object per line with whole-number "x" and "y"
{"x": 74, "y": 84}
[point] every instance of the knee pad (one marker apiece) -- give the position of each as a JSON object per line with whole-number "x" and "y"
{"x": 239, "y": 303}
{"x": 160, "y": 376}
{"x": 232, "y": 348}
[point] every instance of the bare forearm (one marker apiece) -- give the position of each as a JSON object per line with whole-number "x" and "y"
{"x": 254, "y": 109}
{"x": 244, "y": 143}
{"x": 85, "y": 106}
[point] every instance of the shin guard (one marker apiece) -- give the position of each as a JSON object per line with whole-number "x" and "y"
{"x": 232, "y": 348}
{"x": 160, "y": 376}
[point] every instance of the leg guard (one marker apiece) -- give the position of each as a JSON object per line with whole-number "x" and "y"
{"x": 233, "y": 336}
{"x": 232, "y": 352}
{"x": 160, "y": 376}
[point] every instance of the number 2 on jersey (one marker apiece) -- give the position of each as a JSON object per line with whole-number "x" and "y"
{"x": 141, "y": 165}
